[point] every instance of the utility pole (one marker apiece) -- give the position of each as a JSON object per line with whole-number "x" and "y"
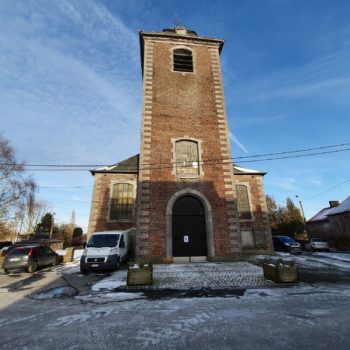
{"x": 301, "y": 207}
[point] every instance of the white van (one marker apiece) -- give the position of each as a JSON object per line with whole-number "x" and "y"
{"x": 106, "y": 250}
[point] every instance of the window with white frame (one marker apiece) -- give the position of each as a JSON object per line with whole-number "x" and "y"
{"x": 187, "y": 158}
{"x": 243, "y": 203}
{"x": 182, "y": 60}
{"x": 121, "y": 202}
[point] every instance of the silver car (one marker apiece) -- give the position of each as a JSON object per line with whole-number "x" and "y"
{"x": 317, "y": 244}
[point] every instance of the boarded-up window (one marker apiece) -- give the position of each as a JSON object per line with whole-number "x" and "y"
{"x": 243, "y": 203}
{"x": 247, "y": 238}
{"x": 122, "y": 201}
{"x": 183, "y": 61}
{"x": 187, "y": 161}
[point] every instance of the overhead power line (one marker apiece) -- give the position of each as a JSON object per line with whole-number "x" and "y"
{"x": 155, "y": 166}
{"x": 326, "y": 191}
{"x": 296, "y": 156}
{"x": 206, "y": 163}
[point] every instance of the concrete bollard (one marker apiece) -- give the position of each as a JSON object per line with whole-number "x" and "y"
{"x": 69, "y": 257}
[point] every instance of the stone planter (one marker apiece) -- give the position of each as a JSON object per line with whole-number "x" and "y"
{"x": 281, "y": 274}
{"x": 69, "y": 257}
{"x": 140, "y": 276}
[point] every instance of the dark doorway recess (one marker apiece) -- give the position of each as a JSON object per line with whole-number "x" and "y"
{"x": 189, "y": 231}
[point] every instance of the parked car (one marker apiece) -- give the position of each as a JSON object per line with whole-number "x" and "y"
{"x": 106, "y": 250}
{"x": 286, "y": 244}
{"x": 317, "y": 244}
{"x": 30, "y": 258}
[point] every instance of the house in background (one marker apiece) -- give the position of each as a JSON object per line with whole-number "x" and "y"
{"x": 332, "y": 224}
{"x": 182, "y": 192}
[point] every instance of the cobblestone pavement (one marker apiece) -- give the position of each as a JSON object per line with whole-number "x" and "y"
{"x": 209, "y": 275}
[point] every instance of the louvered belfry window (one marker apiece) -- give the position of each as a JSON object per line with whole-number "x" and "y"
{"x": 183, "y": 61}
{"x": 187, "y": 160}
{"x": 122, "y": 201}
{"x": 243, "y": 203}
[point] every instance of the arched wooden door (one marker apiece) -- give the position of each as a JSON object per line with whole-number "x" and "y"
{"x": 188, "y": 227}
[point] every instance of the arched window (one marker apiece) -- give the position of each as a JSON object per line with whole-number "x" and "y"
{"x": 243, "y": 203}
{"x": 187, "y": 158}
{"x": 183, "y": 61}
{"x": 122, "y": 200}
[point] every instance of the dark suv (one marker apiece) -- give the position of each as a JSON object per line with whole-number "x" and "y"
{"x": 286, "y": 244}
{"x": 29, "y": 258}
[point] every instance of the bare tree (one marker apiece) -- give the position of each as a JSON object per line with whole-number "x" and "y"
{"x": 34, "y": 213}
{"x": 16, "y": 189}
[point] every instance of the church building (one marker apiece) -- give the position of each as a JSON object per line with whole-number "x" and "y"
{"x": 182, "y": 192}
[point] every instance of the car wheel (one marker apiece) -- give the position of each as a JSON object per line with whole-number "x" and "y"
{"x": 33, "y": 266}
{"x": 6, "y": 271}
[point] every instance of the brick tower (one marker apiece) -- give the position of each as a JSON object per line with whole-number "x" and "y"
{"x": 186, "y": 194}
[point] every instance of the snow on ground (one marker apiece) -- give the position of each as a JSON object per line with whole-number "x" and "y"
{"x": 57, "y": 292}
{"x": 319, "y": 260}
{"x": 103, "y": 298}
{"x": 301, "y": 289}
{"x": 68, "y": 268}
{"x": 117, "y": 279}
{"x": 336, "y": 256}
{"x": 77, "y": 253}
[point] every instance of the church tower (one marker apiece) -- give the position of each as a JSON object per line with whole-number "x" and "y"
{"x": 182, "y": 192}
{"x": 186, "y": 192}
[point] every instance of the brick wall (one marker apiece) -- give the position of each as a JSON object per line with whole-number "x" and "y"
{"x": 259, "y": 225}
{"x": 99, "y": 220}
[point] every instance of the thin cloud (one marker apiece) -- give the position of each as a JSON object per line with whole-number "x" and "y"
{"x": 248, "y": 122}
{"x": 68, "y": 82}
{"x": 287, "y": 183}
{"x": 326, "y": 77}
{"x": 235, "y": 140}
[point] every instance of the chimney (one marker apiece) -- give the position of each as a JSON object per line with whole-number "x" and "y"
{"x": 333, "y": 204}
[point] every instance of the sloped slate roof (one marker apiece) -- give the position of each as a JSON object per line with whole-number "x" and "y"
{"x": 343, "y": 207}
{"x": 127, "y": 166}
{"x": 245, "y": 171}
{"x": 321, "y": 215}
{"x": 131, "y": 166}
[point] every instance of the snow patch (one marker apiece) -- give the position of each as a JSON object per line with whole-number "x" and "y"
{"x": 117, "y": 279}
{"x": 54, "y": 293}
{"x": 109, "y": 297}
{"x": 77, "y": 253}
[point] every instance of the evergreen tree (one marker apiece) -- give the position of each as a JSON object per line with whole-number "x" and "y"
{"x": 78, "y": 232}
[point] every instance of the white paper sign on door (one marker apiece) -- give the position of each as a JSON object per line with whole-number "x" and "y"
{"x": 185, "y": 239}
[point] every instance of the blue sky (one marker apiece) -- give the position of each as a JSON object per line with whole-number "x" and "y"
{"x": 70, "y": 87}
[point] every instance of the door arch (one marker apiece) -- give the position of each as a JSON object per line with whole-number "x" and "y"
{"x": 201, "y": 207}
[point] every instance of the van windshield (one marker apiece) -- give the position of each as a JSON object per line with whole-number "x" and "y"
{"x": 99, "y": 241}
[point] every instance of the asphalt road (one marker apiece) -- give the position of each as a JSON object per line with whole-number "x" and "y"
{"x": 302, "y": 317}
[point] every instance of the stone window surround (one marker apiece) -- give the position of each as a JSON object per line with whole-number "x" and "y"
{"x": 112, "y": 183}
{"x": 208, "y": 220}
{"x": 247, "y": 184}
{"x": 200, "y": 152}
{"x": 172, "y": 59}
